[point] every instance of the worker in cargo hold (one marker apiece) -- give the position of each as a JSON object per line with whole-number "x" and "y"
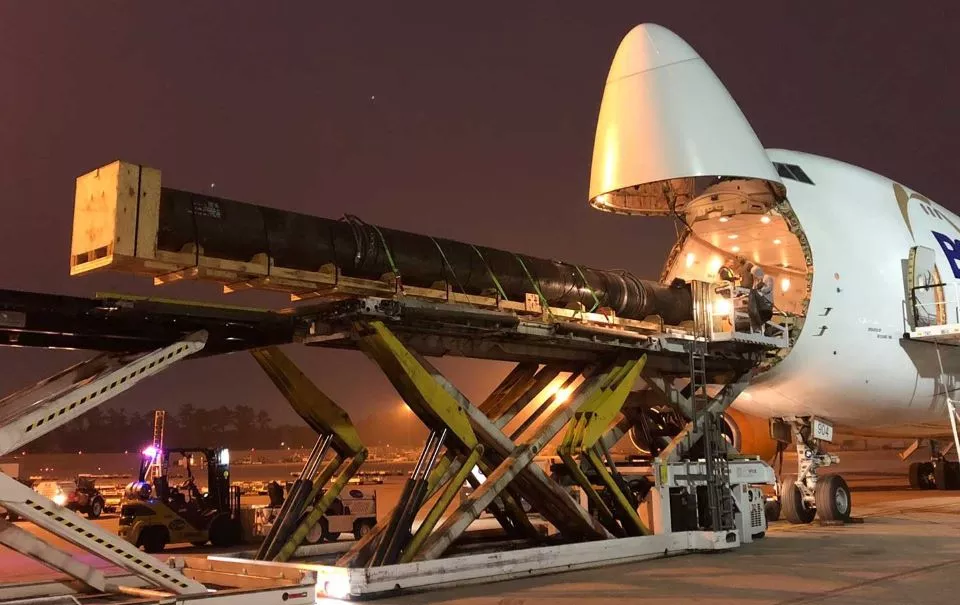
{"x": 760, "y": 307}
{"x": 727, "y": 274}
{"x": 747, "y": 274}
{"x": 732, "y": 274}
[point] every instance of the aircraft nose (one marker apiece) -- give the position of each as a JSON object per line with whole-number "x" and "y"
{"x": 646, "y": 47}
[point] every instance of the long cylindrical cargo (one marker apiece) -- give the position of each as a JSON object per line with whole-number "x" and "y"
{"x": 239, "y": 231}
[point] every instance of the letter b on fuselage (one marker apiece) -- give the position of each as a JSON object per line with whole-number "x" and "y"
{"x": 951, "y": 249}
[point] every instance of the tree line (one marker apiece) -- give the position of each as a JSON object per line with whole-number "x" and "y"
{"x": 114, "y": 429}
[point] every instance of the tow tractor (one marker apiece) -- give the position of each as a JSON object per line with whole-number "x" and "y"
{"x": 152, "y": 516}
{"x": 353, "y": 512}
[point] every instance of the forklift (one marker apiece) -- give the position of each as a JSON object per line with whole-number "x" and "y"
{"x": 157, "y": 514}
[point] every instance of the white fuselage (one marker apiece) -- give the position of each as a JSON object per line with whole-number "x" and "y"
{"x": 851, "y": 363}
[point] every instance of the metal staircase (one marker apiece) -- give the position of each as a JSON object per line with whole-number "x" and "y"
{"x": 35, "y": 411}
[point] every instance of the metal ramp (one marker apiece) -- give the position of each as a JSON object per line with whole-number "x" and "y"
{"x": 35, "y": 411}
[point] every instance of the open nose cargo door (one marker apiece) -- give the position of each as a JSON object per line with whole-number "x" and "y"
{"x": 667, "y": 129}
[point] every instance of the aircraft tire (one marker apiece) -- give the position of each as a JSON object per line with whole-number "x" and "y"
{"x": 794, "y": 509}
{"x": 945, "y": 475}
{"x": 833, "y": 498}
{"x": 926, "y": 475}
{"x": 916, "y": 478}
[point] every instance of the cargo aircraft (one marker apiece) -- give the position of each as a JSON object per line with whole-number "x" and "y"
{"x": 866, "y": 270}
{"x": 864, "y": 274}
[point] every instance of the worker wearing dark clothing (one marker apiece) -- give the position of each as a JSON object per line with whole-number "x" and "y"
{"x": 760, "y": 307}
{"x": 747, "y": 275}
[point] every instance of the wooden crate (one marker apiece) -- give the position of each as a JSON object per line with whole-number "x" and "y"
{"x": 115, "y": 220}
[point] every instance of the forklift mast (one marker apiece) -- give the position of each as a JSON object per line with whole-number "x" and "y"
{"x": 218, "y": 477}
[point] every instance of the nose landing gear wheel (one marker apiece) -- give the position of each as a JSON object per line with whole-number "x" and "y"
{"x": 920, "y": 475}
{"x": 833, "y": 498}
{"x": 945, "y": 475}
{"x": 795, "y": 510}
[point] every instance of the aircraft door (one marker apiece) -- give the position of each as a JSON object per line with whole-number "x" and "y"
{"x": 926, "y": 303}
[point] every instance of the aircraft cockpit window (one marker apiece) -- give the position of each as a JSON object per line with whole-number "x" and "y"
{"x": 783, "y": 171}
{"x": 800, "y": 174}
{"x": 792, "y": 172}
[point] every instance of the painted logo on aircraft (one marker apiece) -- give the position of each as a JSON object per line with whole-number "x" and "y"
{"x": 951, "y": 249}
{"x": 903, "y": 201}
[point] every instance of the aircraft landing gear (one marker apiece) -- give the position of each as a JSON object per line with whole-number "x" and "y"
{"x": 807, "y": 495}
{"x": 921, "y": 475}
{"x": 938, "y": 473}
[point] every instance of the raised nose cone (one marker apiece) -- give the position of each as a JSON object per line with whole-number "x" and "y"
{"x": 666, "y": 119}
{"x": 647, "y": 47}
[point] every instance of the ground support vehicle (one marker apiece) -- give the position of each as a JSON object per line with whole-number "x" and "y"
{"x": 152, "y": 516}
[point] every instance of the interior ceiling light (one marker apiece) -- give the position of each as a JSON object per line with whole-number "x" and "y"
{"x": 777, "y": 242}
{"x": 764, "y": 219}
{"x": 724, "y": 219}
{"x": 733, "y": 236}
{"x": 715, "y": 263}
{"x": 736, "y": 248}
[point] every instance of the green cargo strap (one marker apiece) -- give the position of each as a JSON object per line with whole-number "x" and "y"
{"x": 596, "y": 301}
{"x": 447, "y": 264}
{"x": 496, "y": 282}
{"x": 536, "y": 286}
{"x": 386, "y": 248}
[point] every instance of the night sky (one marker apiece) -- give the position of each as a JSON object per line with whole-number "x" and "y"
{"x": 428, "y": 117}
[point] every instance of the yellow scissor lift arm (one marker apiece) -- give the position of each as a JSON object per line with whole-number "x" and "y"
{"x": 584, "y": 440}
{"x": 473, "y": 436}
{"x": 336, "y": 432}
{"x": 447, "y": 461}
